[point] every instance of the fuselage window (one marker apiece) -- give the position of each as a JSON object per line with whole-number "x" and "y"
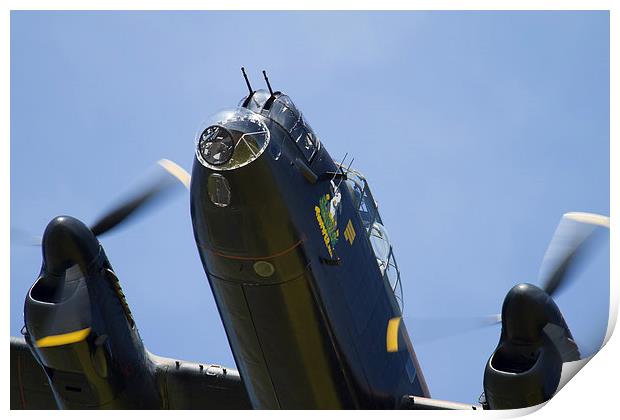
{"x": 376, "y": 232}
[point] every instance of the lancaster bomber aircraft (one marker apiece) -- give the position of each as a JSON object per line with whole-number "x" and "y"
{"x": 305, "y": 281}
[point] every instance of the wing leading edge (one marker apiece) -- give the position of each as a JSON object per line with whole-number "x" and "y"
{"x": 182, "y": 385}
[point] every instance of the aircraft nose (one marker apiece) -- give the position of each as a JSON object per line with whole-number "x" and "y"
{"x": 67, "y": 242}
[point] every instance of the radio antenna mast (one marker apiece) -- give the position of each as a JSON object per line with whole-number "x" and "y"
{"x": 347, "y": 171}
{"x": 340, "y": 166}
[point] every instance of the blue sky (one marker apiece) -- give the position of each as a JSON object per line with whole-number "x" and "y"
{"x": 476, "y": 131}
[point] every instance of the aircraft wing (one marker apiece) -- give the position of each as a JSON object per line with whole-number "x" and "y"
{"x": 183, "y": 385}
{"x": 29, "y": 387}
{"x": 194, "y": 386}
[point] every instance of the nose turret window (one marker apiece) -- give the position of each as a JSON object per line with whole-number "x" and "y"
{"x": 232, "y": 139}
{"x": 216, "y": 145}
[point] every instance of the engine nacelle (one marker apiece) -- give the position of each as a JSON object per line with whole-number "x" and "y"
{"x": 521, "y": 376}
{"x": 80, "y": 329}
{"x": 525, "y": 368}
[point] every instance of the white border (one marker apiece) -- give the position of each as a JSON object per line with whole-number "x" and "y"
{"x": 311, "y": 5}
{"x": 599, "y": 374}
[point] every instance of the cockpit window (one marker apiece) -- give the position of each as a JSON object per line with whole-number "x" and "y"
{"x": 284, "y": 112}
{"x": 256, "y": 101}
{"x": 231, "y": 139}
{"x": 376, "y": 232}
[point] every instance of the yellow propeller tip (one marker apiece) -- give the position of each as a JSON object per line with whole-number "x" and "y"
{"x": 588, "y": 218}
{"x": 176, "y": 171}
{"x": 62, "y": 339}
{"x": 392, "y": 335}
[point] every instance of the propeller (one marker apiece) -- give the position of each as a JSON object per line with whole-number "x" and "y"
{"x": 140, "y": 200}
{"x": 21, "y": 237}
{"x": 58, "y": 309}
{"x": 167, "y": 177}
{"x": 436, "y": 328}
{"x": 567, "y": 248}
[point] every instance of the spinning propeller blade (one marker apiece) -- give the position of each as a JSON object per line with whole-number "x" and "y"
{"x": 568, "y": 245}
{"x": 163, "y": 183}
{"x": 435, "y": 328}
{"x": 168, "y": 176}
{"x": 21, "y": 237}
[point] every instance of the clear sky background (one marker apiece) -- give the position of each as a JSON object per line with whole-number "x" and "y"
{"x": 476, "y": 131}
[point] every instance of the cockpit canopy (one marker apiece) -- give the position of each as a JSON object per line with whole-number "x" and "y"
{"x": 376, "y": 232}
{"x": 284, "y": 112}
{"x": 281, "y": 110}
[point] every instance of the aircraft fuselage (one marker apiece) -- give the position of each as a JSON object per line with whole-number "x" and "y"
{"x": 303, "y": 301}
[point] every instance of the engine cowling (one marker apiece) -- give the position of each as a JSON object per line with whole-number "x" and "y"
{"x": 525, "y": 368}
{"x": 80, "y": 329}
